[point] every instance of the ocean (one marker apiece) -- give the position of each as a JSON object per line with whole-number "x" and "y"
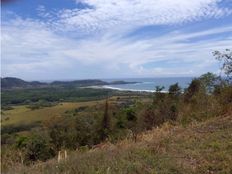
{"x": 149, "y": 84}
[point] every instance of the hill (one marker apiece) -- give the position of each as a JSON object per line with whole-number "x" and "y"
{"x": 16, "y": 83}
{"x": 199, "y": 148}
{"x": 79, "y": 83}
{"x": 12, "y": 82}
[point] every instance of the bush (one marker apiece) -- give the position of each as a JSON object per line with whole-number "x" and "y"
{"x": 10, "y": 129}
{"x": 224, "y": 97}
{"x": 8, "y": 139}
{"x": 173, "y": 112}
{"x": 73, "y": 132}
{"x": 130, "y": 114}
{"x": 36, "y": 147}
{"x": 41, "y": 104}
{"x": 6, "y": 107}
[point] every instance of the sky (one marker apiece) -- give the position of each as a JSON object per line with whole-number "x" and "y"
{"x": 89, "y": 39}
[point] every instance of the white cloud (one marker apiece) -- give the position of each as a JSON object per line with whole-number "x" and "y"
{"x": 32, "y": 47}
{"x": 105, "y": 14}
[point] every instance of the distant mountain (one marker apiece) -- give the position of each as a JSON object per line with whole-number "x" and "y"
{"x": 14, "y": 83}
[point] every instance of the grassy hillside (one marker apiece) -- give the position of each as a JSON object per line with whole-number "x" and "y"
{"x": 199, "y": 148}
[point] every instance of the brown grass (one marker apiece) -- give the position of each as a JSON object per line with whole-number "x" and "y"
{"x": 200, "y": 148}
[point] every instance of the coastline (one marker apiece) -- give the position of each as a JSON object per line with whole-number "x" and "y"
{"x": 121, "y": 89}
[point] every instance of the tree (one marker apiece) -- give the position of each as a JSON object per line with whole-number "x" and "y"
{"x": 63, "y": 133}
{"x": 154, "y": 117}
{"x": 174, "y": 90}
{"x": 193, "y": 89}
{"x": 132, "y": 121}
{"x": 86, "y": 130}
{"x": 159, "y": 96}
{"x": 172, "y": 104}
{"x": 208, "y": 81}
{"x": 106, "y": 122}
{"x": 226, "y": 58}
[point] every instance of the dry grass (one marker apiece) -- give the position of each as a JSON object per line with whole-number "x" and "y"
{"x": 24, "y": 115}
{"x": 199, "y": 148}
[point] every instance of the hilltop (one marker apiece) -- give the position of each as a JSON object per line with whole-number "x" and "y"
{"x": 199, "y": 148}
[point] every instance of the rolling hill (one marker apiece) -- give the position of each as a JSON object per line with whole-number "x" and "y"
{"x": 16, "y": 83}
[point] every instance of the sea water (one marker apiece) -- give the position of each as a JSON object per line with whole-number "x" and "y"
{"x": 149, "y": 84}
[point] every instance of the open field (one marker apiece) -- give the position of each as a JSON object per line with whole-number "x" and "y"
{"x": 23, "y": 115}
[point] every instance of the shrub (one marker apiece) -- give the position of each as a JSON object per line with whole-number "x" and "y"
{"x": 208, "y": 81}
{"x": 173, "y": 112}
{"x": 71, "y": 133}
{"x": 130, "y": 114}
{"x": 36, "y": 148}
{"x": 18, "y": 128}
{"x": 7, "y": 107}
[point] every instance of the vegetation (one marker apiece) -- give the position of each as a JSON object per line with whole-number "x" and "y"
{"x": 182, "y": 131}
{"x": 30, "y": 96}
{"x": 106, "y": 123}
{"x": 11, "y": 82}
{"x": 200, "y": 148}
{"x": 226, "y": 59}
{"x": 8, "y": 83}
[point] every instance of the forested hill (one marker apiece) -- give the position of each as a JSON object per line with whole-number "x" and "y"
{"x": 13, "y": 83}
{"x": 79, "y": 83}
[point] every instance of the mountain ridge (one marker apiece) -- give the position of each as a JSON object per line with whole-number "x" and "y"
{"x": 17, "y": 83}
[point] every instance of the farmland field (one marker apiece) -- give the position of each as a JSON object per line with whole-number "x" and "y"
{"x": 22, "y": 114}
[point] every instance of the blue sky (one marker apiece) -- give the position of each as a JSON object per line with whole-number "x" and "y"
{"x": 78, "y": 39}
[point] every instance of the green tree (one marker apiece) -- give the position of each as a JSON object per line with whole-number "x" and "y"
{"x": 86, "y": 130}
{"x": 63, "y": 133}
{"x": 226, "y": 58}
{"x": 209, "y": 81}
{"x": 158, "y": 95}
{"x": 193, "y": 89}
{"x": 174, "y": 91}
{"x": 106, "y": 122}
